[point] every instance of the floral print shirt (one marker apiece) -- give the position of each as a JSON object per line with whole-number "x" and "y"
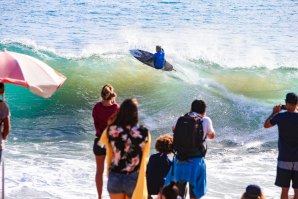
{"x": 127, "y": 146}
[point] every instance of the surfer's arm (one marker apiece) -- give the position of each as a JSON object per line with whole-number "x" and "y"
{"x": 152, "y": 57}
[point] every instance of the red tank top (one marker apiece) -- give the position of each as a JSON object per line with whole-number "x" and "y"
{"x": 101, "y": 115}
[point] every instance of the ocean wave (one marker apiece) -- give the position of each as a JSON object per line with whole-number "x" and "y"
{"x": 205, "y": 47}
{"x": 110, "y": 61}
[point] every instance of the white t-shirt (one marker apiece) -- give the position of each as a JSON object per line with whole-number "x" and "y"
{"x": 207, "y": 123}
{"x": 4, "y": 113}
{"x": 207, "y": 126}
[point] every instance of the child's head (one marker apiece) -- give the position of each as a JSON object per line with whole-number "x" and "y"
{"x": 164, "y": 144}
{"x": 170, "y": 191}
{"x": 253, "y": 192}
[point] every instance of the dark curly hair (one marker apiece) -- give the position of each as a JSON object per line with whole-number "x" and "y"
{"x": 164, "y": 144}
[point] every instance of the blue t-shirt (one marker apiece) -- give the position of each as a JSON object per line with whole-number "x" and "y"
{"x": 287, "y": 123}
{"x": 159, "y": 59}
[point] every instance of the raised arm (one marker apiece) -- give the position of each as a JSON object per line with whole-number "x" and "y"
{"x": 276, "y": 109}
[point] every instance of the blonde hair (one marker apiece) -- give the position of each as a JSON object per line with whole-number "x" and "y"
{"x": 107, "y": 92}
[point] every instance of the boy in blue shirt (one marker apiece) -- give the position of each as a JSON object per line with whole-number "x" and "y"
{"x": 159, "y": 164}
{"x": 158, "y": 58}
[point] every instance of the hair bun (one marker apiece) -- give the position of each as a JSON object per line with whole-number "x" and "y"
{"x": 107, "y": 92}
{"x": 113, "y": 94}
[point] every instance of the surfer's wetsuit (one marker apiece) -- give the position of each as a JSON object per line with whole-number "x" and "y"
{"x": 159, "y": 59}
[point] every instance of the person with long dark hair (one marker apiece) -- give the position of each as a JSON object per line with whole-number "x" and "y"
{"x": 128, "y": 146}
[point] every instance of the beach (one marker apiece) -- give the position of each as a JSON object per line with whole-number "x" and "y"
{"x": 239, "y": 57}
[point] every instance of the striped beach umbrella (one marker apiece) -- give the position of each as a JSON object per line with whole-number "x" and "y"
{"x": 27, "y": 71}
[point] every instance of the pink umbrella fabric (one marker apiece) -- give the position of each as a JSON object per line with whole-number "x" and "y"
{"x": 27, "y": 71}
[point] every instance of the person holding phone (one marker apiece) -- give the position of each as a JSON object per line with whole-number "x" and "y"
{"x": 287, "y": 164}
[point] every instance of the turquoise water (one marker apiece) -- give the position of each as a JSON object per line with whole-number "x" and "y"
{"x": 240, "y": 57}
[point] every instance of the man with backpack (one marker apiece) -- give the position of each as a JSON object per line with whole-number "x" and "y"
{"x": 190, "y": 134}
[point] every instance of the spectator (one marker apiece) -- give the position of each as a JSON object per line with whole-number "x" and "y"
{"x": 159, "y": 164}
{"x": 189, "y": 166}
{"x": 253, "y": 192}
{"x": 170, "y": 191}
{"x": 4, "y": 120}
{"x": 128, "y": 147}
{"x": 287, "y": 164}
{"x": 102, "y": 111}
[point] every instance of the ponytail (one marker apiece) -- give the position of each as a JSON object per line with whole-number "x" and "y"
{"x": 107, "y": 92}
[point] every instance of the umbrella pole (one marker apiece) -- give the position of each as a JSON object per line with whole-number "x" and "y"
{"x": 2, "y": 178}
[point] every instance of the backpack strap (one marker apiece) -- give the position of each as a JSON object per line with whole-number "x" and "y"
{"x": 204, "y": 138}
{"x": 205, "y": 135}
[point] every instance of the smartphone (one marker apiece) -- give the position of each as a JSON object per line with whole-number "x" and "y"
{"x": 283, "y": 107}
